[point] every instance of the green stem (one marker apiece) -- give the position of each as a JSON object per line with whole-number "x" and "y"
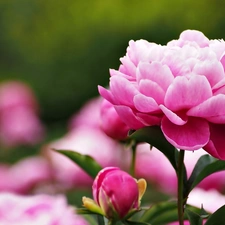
{"x": 112, "y": 222}
{"x": 132, "y": 167}
{"x": 180, "y": 178}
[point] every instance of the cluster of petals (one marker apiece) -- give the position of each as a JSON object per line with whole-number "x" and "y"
{"x": 179, "y": 87}
{"x": 38, "y": 209}
{"x": 19, "y": 122}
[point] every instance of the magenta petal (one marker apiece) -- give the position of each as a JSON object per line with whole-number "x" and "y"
{"x": 213, "y": 70}
{"x": 173, "y": 117}
{"x": 191, "y": 136}
{"x": 216, "y": 145}
{"x": 106, "y": 94}
{"x": 155, "y": 72}
{"x": 145, "y": 104}
{"x": 128, "y": 117}
{"x": 212, "y": 109}
{"x": 197, "y": 87}
{"x": 152, "y": 89}
{"x": 128, "y": 67}
{"x": 122, "y": 90}
{"x": 149, "y": 120}
{"x": 99, "y": 179}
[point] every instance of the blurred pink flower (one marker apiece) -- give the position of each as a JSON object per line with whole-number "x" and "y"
{"x": 37, "y": 210}
{"x": 163, "y": 175}
{"x": 19, "y": 122}
{"x": 210, "y": 200}
{"x": 25, "y": 175}
{"x": 179, "y": 87}
{"x": 90, "y": 141}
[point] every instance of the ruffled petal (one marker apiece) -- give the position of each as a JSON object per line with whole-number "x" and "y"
{"x": 123, "y": 90}
{"x": 173, "y": 117}
{"x": 145, "y": 104}
{"x": 213, "y": 70}
{"x": 216, "y": 145}
{"x": 152, "y": 89}
{"x": 128, "y": 117}
{"x": 190, "y": 136}
{"x": 212, "y": 109}
{"x": 185, "y": 93}
{"x": 106, "y": 94}
{"x": 156, "y": 72}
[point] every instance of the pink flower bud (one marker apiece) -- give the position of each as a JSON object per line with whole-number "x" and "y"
{"x": 116, "y": 194}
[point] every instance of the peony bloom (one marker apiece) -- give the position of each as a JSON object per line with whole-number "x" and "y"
{"x": 37, "y": 210}
{"x": 25, "y": 175}
{"x": 179, "y": 87}
{"x": 116, "y": 194}
{"x": 85, "y": 140}
{"x": 163, "y": 175}
{"x": 19, "y": 122}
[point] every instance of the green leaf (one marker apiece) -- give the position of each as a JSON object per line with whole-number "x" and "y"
{"x": 100, "y": 220}
{"x": 193, "y": 217}
{"x": 154, "y": 136}
{"x": 217, "y": 218}
{"x": 163, "y": 212}
{"x": 129, "y": 222}
{"x": 205, "y": 166}
{"x": 86, "y": 162}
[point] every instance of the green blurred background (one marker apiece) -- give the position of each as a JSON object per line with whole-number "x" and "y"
{"x": 64, "y": 49}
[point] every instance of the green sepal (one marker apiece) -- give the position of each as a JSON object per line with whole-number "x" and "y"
{"x": 154, "y": 136}
{"x": 86, "y": 162}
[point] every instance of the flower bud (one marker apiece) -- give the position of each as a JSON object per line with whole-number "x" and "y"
{"x": 116, "y": 194}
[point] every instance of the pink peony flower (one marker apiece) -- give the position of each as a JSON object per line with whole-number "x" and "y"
{"x": 90, "y": 141}
{"x": 116, "y": 193}
{"x": 20, "y": 126}
{"x": 179, "y": 87}
{"x": 25, "y": 175}
{"x": 163, "y": 175}
{"x": 37, "y": 210}
{"x": 19, "y": 122}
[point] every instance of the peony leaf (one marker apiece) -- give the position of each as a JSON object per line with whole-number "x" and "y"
{"x": 129, "y": 222}
{"x": 154, "y": 136}
{"x": 165, "y": 212}
{"x": 205, "y": 166}
{"x": 86, "y": 162}
{"x": 217, "y": 218}
{"x": 193, "y": 217}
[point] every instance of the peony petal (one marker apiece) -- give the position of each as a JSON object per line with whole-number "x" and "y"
{"x": 216, "y": 145}
{"x": 128, "y": 117}
{"x": 145, "y": 104}
{"x": 149, "y": 120}
{"x": 122, "y": 90}
{"x": 173, "y": 117}
{"x": 185, "y": 93}
{"x": 191, "y": 136}
{"x": 213, "y": 70}
{"x": 156, "y": 72}
{"x": 152, "y": 89}
{"x": 212, "y": 109}
{"x": 121, "y": 74}
{"x": 106, "y": 94}
{"x": 128, "y": 67}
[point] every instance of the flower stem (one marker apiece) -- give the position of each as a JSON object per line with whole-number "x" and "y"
{"x": 180, "y": 178}
{"x": 132, "y": 167}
